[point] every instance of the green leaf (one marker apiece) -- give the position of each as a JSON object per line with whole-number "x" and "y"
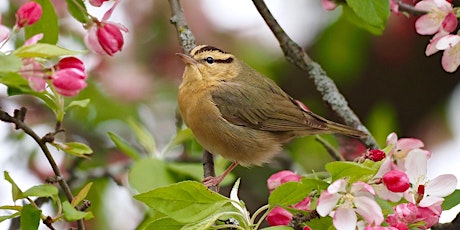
{"x": 288, "y": 194}
{"x": 75, "y": 148}
{"x": 185, "y": 202}
{"x": 314, "y": 184}
{"x": 78, "y": 10}
{"x": 48, "y": 24}
{"x": 352, "y": 170}
{"x": 30, "y": 217}
{"x": 43, "y": 51}
{"x": 369, "y": 14}
{"x": 124, "y": 146}
{"x": 143, "y": 135}
{"x": 10, "y": 63}
{"x": 44, "y": 190}
{"x": 72, "y": 214}
{"x": 16, "y": 214}
{"x": 150, "y": 173}
{"x": 186, "y": 170}
{"x": 81, "y": 103}
{"x": 81, "y": 195}
{"x": 15, "y": 191}
{"x": 164, "y": 223}
{"x": 451, "y": 200}
{"x": 207, "y": 222}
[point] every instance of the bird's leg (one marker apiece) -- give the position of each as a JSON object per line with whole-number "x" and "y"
{"x": 215, "y": 181}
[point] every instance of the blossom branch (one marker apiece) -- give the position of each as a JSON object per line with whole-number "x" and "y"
{"x": 404, "y": 7}
{"x": 18, "y": 120}
{"x": 187, "y": 42}
{"x": 296, "y": 55}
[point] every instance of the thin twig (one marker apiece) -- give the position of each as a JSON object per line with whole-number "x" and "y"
{"x": 187, "y": 42}
{"x": 331, "y": 95}
{"x": 404, "y": 7}
{"x": 18, "y": 120}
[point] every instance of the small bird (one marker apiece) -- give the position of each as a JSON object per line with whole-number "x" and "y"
{"x": 237, "y": 112}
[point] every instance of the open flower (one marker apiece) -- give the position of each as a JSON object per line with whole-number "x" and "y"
{"x": 344, "y": 202}
{"x": 425, "y": 192}
{"x": 451, "y": 56}
{"x": 28, "y": 14}
{"x": 440, "y": 16}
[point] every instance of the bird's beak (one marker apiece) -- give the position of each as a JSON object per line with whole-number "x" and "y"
{"x": 187, "y": 59}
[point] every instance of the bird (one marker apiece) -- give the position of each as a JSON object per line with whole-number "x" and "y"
{"x": 237, "y": 112}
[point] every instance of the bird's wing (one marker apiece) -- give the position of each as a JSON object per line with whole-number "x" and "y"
{"x": 263, "y": 106}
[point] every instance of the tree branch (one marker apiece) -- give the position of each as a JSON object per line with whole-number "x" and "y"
{"x": 331, "y": 95}
{"x": 187, "y": 42}
{"x": 18, "y": 120}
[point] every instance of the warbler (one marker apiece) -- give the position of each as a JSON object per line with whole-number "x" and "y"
{"x": 237, "y": 112}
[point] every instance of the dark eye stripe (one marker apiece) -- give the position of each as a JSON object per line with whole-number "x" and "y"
{"x": 208, "y": 48}
{"x": 228, "y": 60}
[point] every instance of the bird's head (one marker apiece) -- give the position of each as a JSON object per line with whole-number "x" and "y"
{"x": 209, "y": 63}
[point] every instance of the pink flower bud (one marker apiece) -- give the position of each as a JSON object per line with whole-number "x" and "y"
{"x": 28, "y": 14}
{"x": 70, "y": 62}
{"x": 105, "y": 38}
{"x": 304, "y": 205}
{"x": 281, "y": 177}
{"x": 396, "y": 181}
{"x": 375, "y": 155}
{"x": 69, "y": 77}
{"x": 97, "y": 3}
{"x": 34, "y": 73}
{"x": 279, "y": 216}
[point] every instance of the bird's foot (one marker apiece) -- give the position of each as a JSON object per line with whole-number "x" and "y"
{"x": 211, "y": 181}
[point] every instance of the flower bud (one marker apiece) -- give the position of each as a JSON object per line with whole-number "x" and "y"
{"x": 105, "y": 38}
{"x": 69, "y": 82}
{"x": 279, "y": 216}
{"x": 70, "y": 62}
{"x": 375, "y": 155}
{"x": 28, "y": 14}
{"x": 97, "y": 3}
{"x": 396, "y": 181}
{"x": 281, "y": 177}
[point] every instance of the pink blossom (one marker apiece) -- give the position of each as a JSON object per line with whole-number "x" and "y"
{"x": 402, "y": 146}
{"x": 329, "y": 4}
{"x": 394, "y": 7}
{"x": 408, "y": 215}
{"x": 34, "y": 73}
{"x": 375, "y": 155}
{"x": 425, "y": 192}
{"x": 68, "y": 82}
{"x": 28, "y": 14}
{"x": 396, "y": 181}
{"x": 279, "y": 216}
{"x": 69, "y": 76}
{"x": 440, "y": 16}
{"x": 304, "y": 205}
{"x": 451, "y": 56}
{"x": 105, "y": 37}
{"x": 4, "y": 31}
{"x": 97, "y": 3}
{"x": 344, "y": 203}
{"x": 280, "y": 178}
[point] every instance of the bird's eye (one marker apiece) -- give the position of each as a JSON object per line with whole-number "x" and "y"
{"x": 209, "y": 60}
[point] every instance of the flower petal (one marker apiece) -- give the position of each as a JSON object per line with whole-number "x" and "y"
{"x": 416, "y": 163}
{"x": 451, "y": 59}
{"x": 441, "y": 186}
{"x": 345, "y": 219}
{"x": 327, "y": 202}
{"x": 338, "y": 186}
{"x": 369, "y": 210}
